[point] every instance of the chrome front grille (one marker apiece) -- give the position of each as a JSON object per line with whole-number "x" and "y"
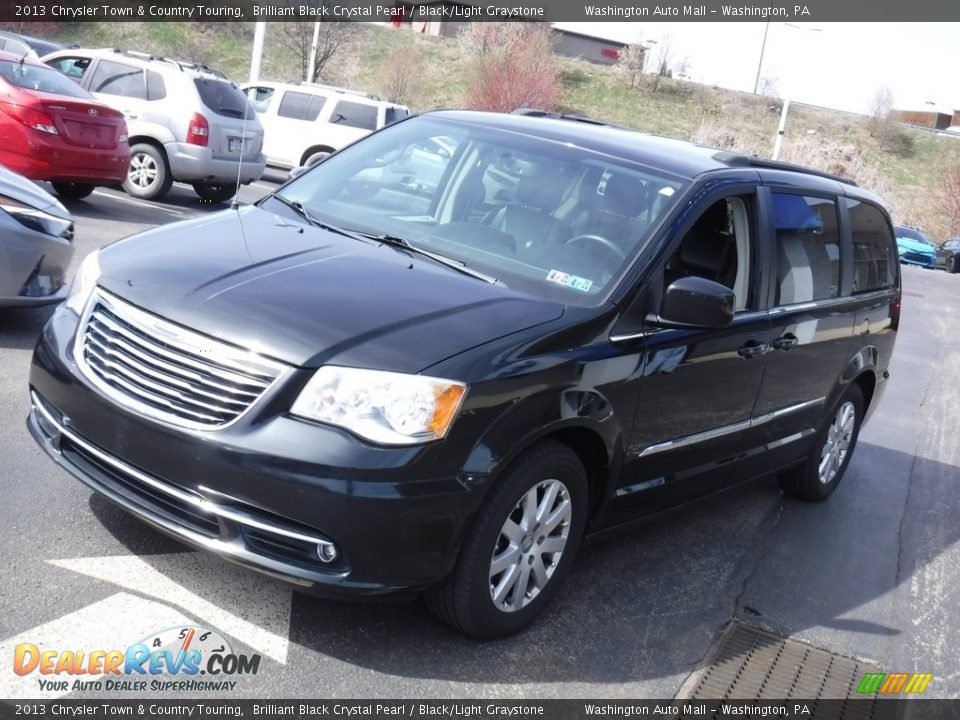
{"x": 165, "y": 371}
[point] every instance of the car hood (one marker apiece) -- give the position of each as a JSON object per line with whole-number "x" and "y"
{"x": 309, "y": 297}
{"x": 17, "y": 187}
{"x": 916, "y": 246}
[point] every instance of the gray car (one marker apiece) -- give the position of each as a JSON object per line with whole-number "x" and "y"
{"x": 36, "y": 243}
{"x": 186, "y": 121}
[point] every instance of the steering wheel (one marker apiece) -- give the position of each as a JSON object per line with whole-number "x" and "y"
{"x": 601, "y": 241}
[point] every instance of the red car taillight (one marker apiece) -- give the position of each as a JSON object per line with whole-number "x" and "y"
{"x": 35, "y": 119}
{"x": 198, "y": 131}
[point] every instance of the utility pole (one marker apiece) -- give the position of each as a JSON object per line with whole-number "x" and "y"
{"x": 259, "y": 34}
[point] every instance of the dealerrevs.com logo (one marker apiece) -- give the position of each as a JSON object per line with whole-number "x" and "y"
{"x": 170, "y": 660}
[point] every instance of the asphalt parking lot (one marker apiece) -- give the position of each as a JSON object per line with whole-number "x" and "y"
{"x": 871, "y": 573}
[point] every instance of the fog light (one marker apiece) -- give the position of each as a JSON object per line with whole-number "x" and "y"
{"x": 327, "y": 552}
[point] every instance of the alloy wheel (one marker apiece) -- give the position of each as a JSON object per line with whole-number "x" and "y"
{"x": 143, "y": 170}
{"x": 530, "y": 545}
{"x": 837, "y": 443}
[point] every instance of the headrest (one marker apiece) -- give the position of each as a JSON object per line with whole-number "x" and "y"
{"x": 624, "y": 195}
{"x": 541, "y": 192}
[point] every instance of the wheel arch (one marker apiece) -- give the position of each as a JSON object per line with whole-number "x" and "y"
{"x": 313, "y": 150}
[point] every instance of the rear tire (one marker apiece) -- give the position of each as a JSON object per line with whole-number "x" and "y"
{"x": 214, "y": 192}
{"x": 824, "y": 467}
{"x": 73, "y": 191}
{"x": 521, "y": 545}
{"x": 149, "y": 175}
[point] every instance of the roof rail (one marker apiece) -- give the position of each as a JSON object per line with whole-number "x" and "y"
{"x": 344, "y": 91}
{"x": 533, "y": 112}
{"x": 737, "y": 160}
{"x": 181, "y": 64}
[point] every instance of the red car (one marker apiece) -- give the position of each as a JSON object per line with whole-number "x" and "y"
{"x": 52, "y": 129}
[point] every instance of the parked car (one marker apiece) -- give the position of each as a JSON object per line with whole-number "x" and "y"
{"x": 914, "y": 248}
{"x": 36, "y": 243}
{"x": 948, "y": 255}
{"x": 303, "y": 122}
{"x": 374, "y": 391}
{"x": 50, "y": 129}
{"x": 187, "y": 122}
{"x": 21, "y": 44}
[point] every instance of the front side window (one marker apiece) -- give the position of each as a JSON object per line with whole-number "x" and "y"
{"x": 113, "y": 78}
{"x": 874, "y": 251}
{"x": 718, "y": 248}
{"x": 513, "y": 206}
{"x": 808, "y": 248}
{"x": 73, "y": 67}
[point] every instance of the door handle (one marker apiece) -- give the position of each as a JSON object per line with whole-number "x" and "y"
{"x": 785, "y": 342}
{"x": 752, "y": 349}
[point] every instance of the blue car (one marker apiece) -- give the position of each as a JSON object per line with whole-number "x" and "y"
{"x": 914, "y": 248}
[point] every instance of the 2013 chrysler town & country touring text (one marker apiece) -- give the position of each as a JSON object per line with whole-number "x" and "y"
{"x": 368, "y": 385}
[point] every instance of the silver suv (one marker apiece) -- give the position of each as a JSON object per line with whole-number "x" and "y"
{"x": 187, "y": 122}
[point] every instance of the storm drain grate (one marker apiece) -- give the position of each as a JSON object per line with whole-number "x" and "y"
{"x": 749, "y": 663}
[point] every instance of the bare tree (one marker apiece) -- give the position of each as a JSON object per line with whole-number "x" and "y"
{"x": 631, "y": 60}
{"x": 664, "y": 57}
{"x": 879, "y": 109}
{"x": 513, "y": 66}
{"x": 298, "y": 38}
{"x": 946, "y": 200}
{"x": 768, "y": 86}
{"x": 401, "y": 65}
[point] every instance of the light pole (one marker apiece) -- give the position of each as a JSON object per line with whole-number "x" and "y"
{"x": 646, "y": 53}
{"x": 763, "y": 49}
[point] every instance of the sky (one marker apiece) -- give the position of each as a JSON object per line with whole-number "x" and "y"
{"x": 836, "y": 65}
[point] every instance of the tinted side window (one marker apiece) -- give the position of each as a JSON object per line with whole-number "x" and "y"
{"x": 301, "y": 106}
{"x": 394, "y": 114}
{"x": 355, "y": 115}
{"x": 115, "y": 78}
{"x": 873, "y": 248}
{"x": 808, "y": 248}
{"x": 156, "y": 88}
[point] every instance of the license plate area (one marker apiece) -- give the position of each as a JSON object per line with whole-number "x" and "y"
{"x": 234, "y": 144}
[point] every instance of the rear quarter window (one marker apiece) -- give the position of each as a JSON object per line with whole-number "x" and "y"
{"x": 223, "y": 98}
{"x": 874, "y": 248}
{"x": 353, "y": 114}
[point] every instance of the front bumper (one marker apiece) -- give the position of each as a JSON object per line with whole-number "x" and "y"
{"x": 193, "y": 163}
{"x": 264, "y": 492}
{"x": 914, "y": 258}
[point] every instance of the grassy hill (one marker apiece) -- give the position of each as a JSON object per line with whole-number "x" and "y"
{"x": 904, "y": 165}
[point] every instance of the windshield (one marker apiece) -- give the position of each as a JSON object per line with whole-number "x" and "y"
{"x": 907, "y": 233}
{"x": 541, "y": 216}
{"x": 41, "y": 79}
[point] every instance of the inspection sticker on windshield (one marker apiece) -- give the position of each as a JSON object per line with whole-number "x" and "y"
{"x": 570, "y": 281}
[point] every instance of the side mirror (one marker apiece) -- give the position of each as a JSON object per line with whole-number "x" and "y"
{"x": 696, "y": 302}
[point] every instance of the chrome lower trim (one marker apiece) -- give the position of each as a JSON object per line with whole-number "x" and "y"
{"x": 194, "y": 499}
{"x": 727, "y": 429}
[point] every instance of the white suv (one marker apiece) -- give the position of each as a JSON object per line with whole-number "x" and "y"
{"x": 305, "y": 122}
{"x": 187, "y": 122}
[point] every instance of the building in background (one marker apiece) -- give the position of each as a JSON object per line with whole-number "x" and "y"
{"x": 927, "y": 115}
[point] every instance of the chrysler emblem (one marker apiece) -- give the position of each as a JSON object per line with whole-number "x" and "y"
{"x": 92, "y": 112}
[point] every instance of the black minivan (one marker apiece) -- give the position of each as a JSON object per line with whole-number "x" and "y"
{"x": 446, "y": 355}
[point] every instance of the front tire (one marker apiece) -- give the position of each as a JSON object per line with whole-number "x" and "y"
{"x": 827, "y": 462}
{"x": 148, "y": 177}
{"x": 520, "y": 547}
{"x": 72, "y": 190}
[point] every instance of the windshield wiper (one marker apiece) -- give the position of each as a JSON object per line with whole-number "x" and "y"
{"x": 302, "y": 211}
{"x": 457, "y": 265}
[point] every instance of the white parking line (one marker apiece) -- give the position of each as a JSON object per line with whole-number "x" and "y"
{"x": 138, "y": 203}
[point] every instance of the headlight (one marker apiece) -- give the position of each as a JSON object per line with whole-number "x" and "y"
{"x": 34, "y": 219}
{"x": 84, "y": 282}
{"x": 385, "y": 407}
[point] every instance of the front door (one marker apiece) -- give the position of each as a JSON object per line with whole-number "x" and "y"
{"x": 699, "y": 386}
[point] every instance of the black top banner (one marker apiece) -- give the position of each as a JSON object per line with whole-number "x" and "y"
{"x": 478, "y": 11}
